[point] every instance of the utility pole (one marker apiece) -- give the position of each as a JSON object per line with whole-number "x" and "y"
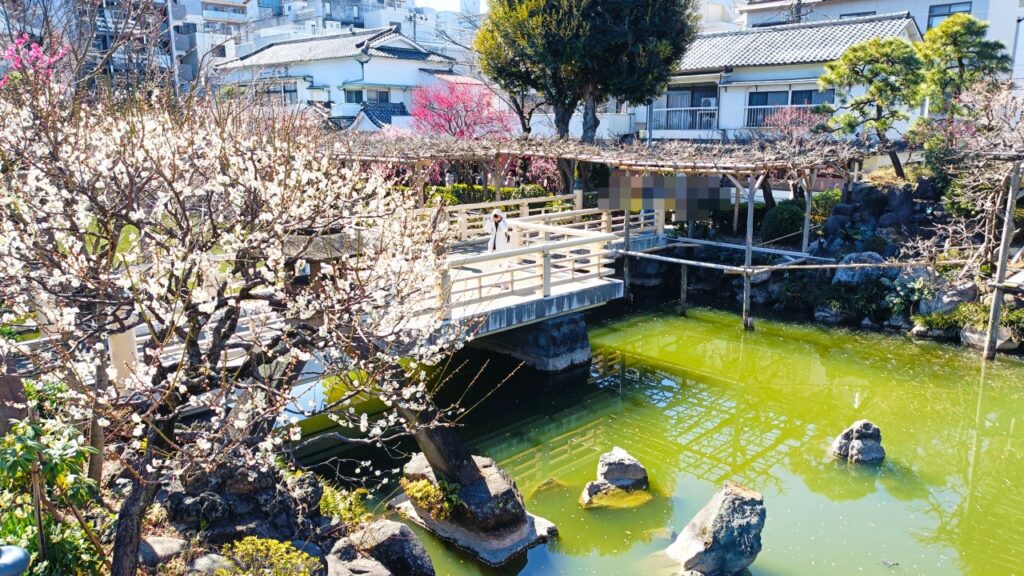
{"x": 797, "y": 15}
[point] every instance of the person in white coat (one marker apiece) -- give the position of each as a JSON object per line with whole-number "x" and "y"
{"x": 498, "y": 236}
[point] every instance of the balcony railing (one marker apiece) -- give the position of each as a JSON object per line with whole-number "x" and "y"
{"x": 692, "y": 118}
{"x": 224, "y": 16}
{"x": 757, "y": 116}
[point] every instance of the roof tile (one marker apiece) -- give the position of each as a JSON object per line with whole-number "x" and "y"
{"x": 821, "y": 41}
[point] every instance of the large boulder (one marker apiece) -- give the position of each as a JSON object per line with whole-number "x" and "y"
{"x": 856, "y": 276}
{"x": 1006, "y": 340}
{"x": 724, "y": 538}
{"x": 620, "y": 469}
{"x": 491, "y": 521}
{"x": 835, "y": 224}
{"x": 395, "y": 546}
{"x": 209, "y": 564}
{"x": 948, "y": 298}
{"x": 861, "y": 443}
{"x": 490, "y": 502}
{"x": 156, "y": 550}
{"x": 617, "y": 471}
{"x": 344, "y": 560}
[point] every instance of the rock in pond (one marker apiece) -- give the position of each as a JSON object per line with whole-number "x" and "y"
{"x": 491, "y": 522}
{"x": 861, "y": 443}
{"x": 394, "y": 545}
{"x": 724, "y": 538}
{"x": 975, "y": 338}
{"x": 620, "y": 478}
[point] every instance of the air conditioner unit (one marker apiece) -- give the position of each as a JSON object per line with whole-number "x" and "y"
{"x": 708, "y": 102}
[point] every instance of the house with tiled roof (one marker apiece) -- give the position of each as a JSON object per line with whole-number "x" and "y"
{"x": 728, "y": 84}
{"x": 364, "y": 77}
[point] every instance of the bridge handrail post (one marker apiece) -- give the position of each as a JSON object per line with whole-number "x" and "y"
{"x": 577, "y": 199}
{"x": 446, "y": 294}
{"x": 546, "y": 274}
{"x": 606, "y": 222}
{"x": 659, "y": 222}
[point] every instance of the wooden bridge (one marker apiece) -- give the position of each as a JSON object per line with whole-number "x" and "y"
{"x": 560, "y": 260}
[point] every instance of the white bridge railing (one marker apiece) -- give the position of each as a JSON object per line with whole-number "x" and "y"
{"x": 546, "y": 257}
{"x": 467, "y": 220}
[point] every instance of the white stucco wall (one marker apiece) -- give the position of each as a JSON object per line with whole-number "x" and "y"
{"x": 399, "y": 77}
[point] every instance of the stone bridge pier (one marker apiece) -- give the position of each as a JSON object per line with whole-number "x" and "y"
{"x": 550, "y": 345}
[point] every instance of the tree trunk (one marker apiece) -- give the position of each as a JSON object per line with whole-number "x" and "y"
{"x": 590, "y": 119}
{"x": 96, "y": 433}
{"x": 766, "y": 192}
{"x": 444, "y": 449}
{"x": 563, "y": 114}
{"x": 127, "y": 536}
{"x": 897, "y": 164}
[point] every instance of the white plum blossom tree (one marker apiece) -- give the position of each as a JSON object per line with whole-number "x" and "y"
{"x": 193, "y": 223}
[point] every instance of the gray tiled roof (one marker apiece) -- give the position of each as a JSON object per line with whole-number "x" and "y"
{"x": 380, "y": 113}
{"x": 343, "y": 45}
{"x": 821, "y": 41}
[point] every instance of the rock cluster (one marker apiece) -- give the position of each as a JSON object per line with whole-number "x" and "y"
{"x": 861, "y": 443}
{"x": 617, "y": 471}
{"x": 233, "y": 502}
{"x": 724, "y": 538}
{"x": 490, "y": 521}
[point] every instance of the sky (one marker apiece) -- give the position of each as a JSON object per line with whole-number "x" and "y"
{"x": 445, "y": 4}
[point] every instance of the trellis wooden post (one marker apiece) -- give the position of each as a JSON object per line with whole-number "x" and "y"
{"x": 748, "y": 322}
{"x": 808, "y": 200}
{"x": 991, "y": 342}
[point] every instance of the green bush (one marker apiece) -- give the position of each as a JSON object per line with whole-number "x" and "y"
{"x": 783, "y": 223}
{"x": 63, "y": 454}
{"x": 722, "y": 219}
{"x": 822, "y": 204}
{"x": 265, "y": 557}
{"x": 867, "y": 299}
{"x": 973, "y": 315}
{"x": 473, "y": 193}
{"x": 440, "y": 500}
{"x": 906, "y": 295}
{"x": 349, "y": 506}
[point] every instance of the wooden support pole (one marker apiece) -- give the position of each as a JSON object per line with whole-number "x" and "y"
{"x": 1004, "y": 251}
{"x": 683, "y": 273}
{"x": 748, "y": 322}
{"x": 808, "y": 200}
{"x": 736, "y": 210}
{"x": 625, "y": 257}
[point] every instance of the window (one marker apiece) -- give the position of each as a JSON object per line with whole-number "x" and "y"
{"x": 857, "y": 14}
{"x": 939, "y": 12}
{"x": 379, "y": 96}
{"x": 353, "y": 96}
{"x": 219, "y": 51}
{"x": 811, "y": 97}
{"x": 290, "y": 93}
{"x": 286, "y": 93}
{"x": 780, "y": 98}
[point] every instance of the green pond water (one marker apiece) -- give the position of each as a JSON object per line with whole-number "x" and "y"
{"x": 699, "y": 402}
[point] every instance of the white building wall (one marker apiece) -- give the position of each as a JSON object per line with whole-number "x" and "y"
{"x": 1001, "y": 15}
{"x": 399, "y": 77}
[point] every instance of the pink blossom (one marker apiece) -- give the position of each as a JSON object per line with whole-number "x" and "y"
{"x": 458, "y": 110}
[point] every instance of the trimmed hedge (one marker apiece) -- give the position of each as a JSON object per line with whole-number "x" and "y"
{"x": 474, "y": 193}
